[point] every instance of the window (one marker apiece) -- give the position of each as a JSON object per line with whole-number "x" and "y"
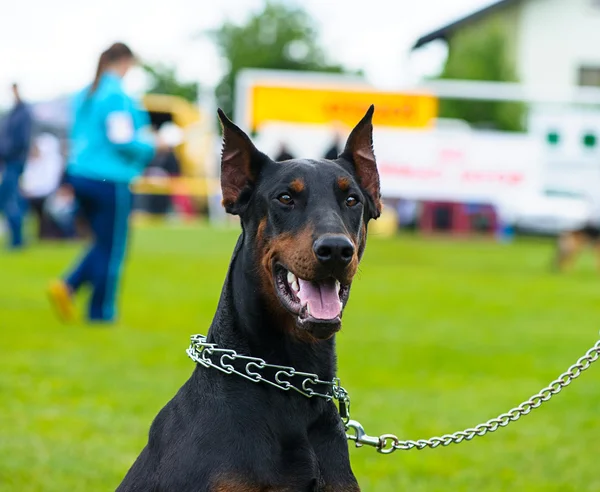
{"x": 563, "y": 194}
{"x": 589, "y": 76}
{"x": 553, "y": 138}
{"x": 589, "y": 140}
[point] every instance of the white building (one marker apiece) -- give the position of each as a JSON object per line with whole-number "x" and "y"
{"x": 550, "y": 43}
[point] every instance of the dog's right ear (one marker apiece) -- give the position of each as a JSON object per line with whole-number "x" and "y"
{"x": 240, "y": 166}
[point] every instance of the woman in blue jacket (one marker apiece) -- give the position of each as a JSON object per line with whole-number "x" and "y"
{"x": 110, "y": 146}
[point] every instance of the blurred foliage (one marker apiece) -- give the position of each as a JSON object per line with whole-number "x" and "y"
{"x": 279, "y": 36}
{"x": 163, "y": 80}
{"x": 480, "y": 52}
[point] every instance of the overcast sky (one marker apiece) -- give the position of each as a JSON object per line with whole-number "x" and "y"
{"x": 51, "y": 46}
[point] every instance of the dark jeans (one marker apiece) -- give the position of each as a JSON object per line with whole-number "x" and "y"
{"x": 11, "y": 201}
{"x": 106, "y": 207}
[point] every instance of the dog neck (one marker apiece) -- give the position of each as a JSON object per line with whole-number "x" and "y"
{"x": 244, "y": 322}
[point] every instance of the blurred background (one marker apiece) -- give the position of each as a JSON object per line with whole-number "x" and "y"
{"x": 486, "y": 133}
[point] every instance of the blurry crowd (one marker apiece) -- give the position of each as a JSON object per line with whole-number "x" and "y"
{"x": 332, "y": 152}
{"x": 83, "y": 185}
{"x": 32, "y": 178}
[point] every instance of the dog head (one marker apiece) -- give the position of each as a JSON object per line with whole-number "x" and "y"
{"x": 306, "y": 221}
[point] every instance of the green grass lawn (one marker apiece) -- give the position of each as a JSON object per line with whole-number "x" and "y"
{"x": 438, "y": 336}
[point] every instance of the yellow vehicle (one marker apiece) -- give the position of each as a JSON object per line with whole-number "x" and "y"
{"x": 194, "y": 153}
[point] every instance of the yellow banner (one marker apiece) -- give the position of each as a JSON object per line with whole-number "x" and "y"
{"x": 199, "y": 187}
{"x": 325, "y": 106}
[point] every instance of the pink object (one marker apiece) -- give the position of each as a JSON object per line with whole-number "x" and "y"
{"x": 183, "y": 205}
{"x": 322, "y": 299}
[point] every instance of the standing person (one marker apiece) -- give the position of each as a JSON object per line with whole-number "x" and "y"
{"x": 333, "y": 152}
{"x": 284, "y": 153}
{"x": 164, "y": 165}
{"x": 15, "y": 136}
{"x": 110, "y": 146}
{"x": 41, "y": 178}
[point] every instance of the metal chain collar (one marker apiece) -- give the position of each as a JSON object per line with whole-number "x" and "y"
{"x": 200, "y": 352}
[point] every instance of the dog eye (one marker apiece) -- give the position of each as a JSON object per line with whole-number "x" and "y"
{"x": 351, "y": 201}
{"x": 285, "y": 198}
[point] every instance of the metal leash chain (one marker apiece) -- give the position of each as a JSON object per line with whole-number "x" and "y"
{"x": 388, "y": 443}
{"x": 201, "y": 351}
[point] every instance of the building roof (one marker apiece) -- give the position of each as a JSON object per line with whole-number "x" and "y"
{"x": 443, "y": 32}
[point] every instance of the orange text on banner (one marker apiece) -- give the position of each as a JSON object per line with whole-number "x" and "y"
{"x": 324, "y": 106}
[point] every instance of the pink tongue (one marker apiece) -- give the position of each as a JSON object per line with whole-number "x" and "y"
{"x": 322, "y": 298}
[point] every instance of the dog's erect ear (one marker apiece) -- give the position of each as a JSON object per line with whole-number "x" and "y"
{"x": 240, "y": 166}
{"x": 359, "y": 151}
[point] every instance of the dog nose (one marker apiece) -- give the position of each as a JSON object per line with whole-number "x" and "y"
{"x": 334, "y": 250}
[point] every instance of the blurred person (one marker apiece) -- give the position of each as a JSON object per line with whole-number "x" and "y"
{"x": 407, "y": 213}
{"x": 337, "y": 145}
{"x": 15, "y": 136}
{"x": 172, "y": 136}
{"x": 164, "y": 165}
{"x": 334, "y": 150}
{"x": 60, "y": 208}
{"x": 110, "y": 146}
{"x": 41, "y": 178}
{"x": 284, "y": 153}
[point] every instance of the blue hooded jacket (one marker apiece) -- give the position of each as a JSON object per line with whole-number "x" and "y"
{"x": 94, "y": 152}
{"x": 15, "y": 135}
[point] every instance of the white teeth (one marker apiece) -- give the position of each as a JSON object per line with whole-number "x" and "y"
{"x": 293, "y": 281}
{"x": 338, "y": 286}
{"x": 308, "y": 309}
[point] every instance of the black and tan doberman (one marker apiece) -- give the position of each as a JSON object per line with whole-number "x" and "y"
{"x": 304, "y": 230}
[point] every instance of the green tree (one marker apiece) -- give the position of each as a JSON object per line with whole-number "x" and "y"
{"x": 279, "y": 36}
{"x": 163, "y": 80}
{"x": 480, "y": 52}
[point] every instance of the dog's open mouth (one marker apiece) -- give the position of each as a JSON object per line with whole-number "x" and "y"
{"x": 317, "y": 301}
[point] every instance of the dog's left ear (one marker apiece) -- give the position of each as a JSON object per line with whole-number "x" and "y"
{"x": 240, "y": 166}
{"x": 359, "y": 151}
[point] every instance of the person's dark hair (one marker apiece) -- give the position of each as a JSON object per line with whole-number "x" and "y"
{"x": 117, "y": 52}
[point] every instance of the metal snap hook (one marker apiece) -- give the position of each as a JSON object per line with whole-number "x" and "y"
{"x": 359, "y": 436}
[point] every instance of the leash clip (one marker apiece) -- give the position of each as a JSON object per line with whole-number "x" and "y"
{"x": 360, "y": 437}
